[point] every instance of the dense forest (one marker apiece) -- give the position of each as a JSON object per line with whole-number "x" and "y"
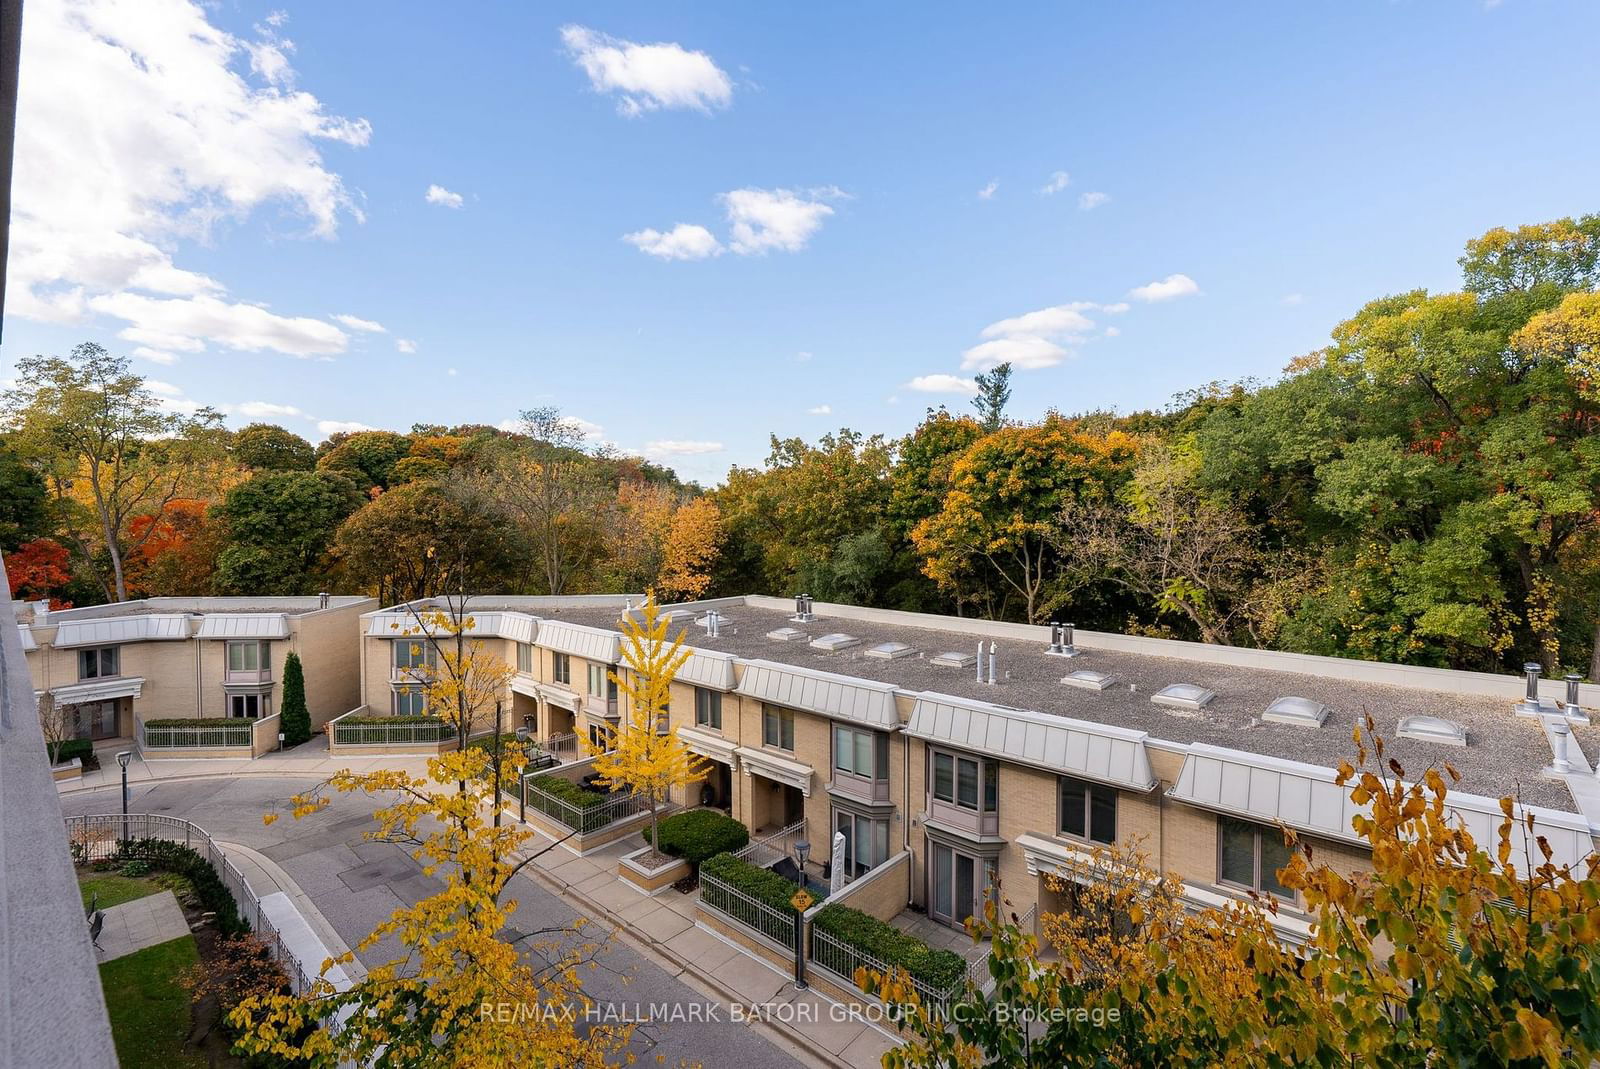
{"x": 1425, "y": 489}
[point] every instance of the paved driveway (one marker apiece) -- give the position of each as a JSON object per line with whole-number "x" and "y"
{"x": 357, "y": 884}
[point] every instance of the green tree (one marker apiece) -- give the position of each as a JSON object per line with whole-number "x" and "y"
{"x": 109, "y": 450}
{"x": 994, "y": 392}
{"x": 268, "y": 447}
{"x": 367, "y": 457}
{"x": 280, "y": 526}
{"x": 292, "y": 712}
{"x": 24, "y": 498}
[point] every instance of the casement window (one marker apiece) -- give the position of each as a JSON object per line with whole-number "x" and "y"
{"x": 525, "y": 658}
{"x": 561, "y": 668}
{"x": 602, "y": 738}
{"x": 249, "y": 656}
{"x": 98, "y": 663}
{"x": 247, "y": 706}
{"x": 866, "y": 842}
{"x": 410, "y": 701}
{"x": 1250, "y": 855}
{"x": 597, "y": 680}
{"x": 412, "y": 654}
{"x": 777, "y": 727}
{"x": 860, "y": 753}
{"x": 708, "y": 708}
{"x": 966, "y": 782}
{"x": 1088, "y": 811}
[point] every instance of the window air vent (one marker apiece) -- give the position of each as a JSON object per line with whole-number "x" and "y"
{"x": 1434, "y": 729}
{"x": 1084, "y": 679}
{"x": 954, "y": 660}
{"x": 1301, "y": 712}
{"x": 1186, "y": 696}
{"x": 836, "y": 641}
{"x": 787, "y": 634}
{"x": 890, "y": 651}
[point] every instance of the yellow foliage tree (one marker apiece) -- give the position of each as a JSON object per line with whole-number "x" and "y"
{"x": 462, "y": 994}
{"x": 693, "y": 542}
{"x": 646, "y": 757}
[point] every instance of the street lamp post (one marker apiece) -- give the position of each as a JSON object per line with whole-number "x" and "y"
{"x": 122, "y": 760}
{"x": 801, "y": 902}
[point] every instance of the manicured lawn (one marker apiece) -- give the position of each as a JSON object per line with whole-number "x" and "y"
{"x": 149, "y": 1010}
{"x": 114, "y": 889}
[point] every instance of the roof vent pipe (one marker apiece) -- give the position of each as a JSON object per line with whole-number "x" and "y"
{"x": 1530, "y": 704}
{"x": 1573, "y": 707}
{"x": 1558, "y": 744}
{"x": 991, "y": 662}
{"x": 1067, "y": 646}
{"x": 322, "y": 599}
{"x": 980, "y": 660}
{"x": 1055, "y": 636}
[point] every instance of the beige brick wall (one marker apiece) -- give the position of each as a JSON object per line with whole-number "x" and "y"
{"x": 881, "y": 892}
{"x": 328, "y": 643}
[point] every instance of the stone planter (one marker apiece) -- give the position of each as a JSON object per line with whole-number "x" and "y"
{"x": 647, "y": 880}
{"x": 72, "y": 769}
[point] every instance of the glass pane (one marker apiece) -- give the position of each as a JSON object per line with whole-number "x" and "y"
{"x": 964, "y": 882}
{"x": 1238, "y": 853}
{"x": 880, "y": 841}
{"x": 881, "y": 743}
{"x": 716, "y": 710}
{"x": 265, "y": 656}
{"x": 1072, "y": 808}
{"x": 1103, "y": 815}
{"x": 863, "y": 742}
{"x": 967, "y": 783}
{"x": 943, "y": 892}
{"x": 769, "y": 727}
{"x": 991, "y": 786}
{"x": 944, "y": 777}
{"x": 1274, "y": 856}
{"x": 842, "y": 748}
{"x": 788, "y": 730}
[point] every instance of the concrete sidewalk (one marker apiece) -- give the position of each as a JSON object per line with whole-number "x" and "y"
{"x": 144, "y": 922}
{"x": 265, "y": 876}
{"x": 310, "y": 758}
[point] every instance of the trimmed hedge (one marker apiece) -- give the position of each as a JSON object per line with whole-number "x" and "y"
{"x": 381, "y": 720}
{"x": 763, "y": 885}
{"x": 190, "y": 721}
{"x": 939, "y": 969}
{"x": 700, "y": 834}
{"x": 169, "y": 856}
{"x": 82, "y": 749}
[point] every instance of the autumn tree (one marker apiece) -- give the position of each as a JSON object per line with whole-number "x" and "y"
{"x": 109, "y": 450}
{"x": 1447, "y": 952}
{"x": 648, "y": 758}
{"x": 261, "y": 447}
{"x": 689, "y": 557}
{"x": 39, "y": 569}
{"x": 368, "y": 458}
{"x": 637, "y": 526}
{"x": 557, "y": 493}
{"x": 425, "y": 1007}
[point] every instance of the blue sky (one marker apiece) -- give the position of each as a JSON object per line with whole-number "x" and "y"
{"x": 264, "y": 168}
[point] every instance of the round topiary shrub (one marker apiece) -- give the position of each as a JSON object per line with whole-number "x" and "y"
{"x": 700, "y": 834}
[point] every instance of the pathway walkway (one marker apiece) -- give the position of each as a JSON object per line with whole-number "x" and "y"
{"x": 308, "y": 759}
{"x": 144, "y": 922}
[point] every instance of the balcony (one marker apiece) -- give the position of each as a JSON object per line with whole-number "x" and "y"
{"x": 875, "y": 791}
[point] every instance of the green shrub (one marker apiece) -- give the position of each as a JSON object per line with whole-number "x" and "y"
{"x": 135, "y": 868}
{"x": 168, "y": 856}
{"x": 700, "y": 834}
{"x": 390, "y": 720}
{"x": 542, "y": 789}
{"x": 763, "y": 885}
{"x": 192, "y": 721}
{"x": 939, "y": 969}
{"x": 294, "y": 718}
{"x": 82, "y": 749}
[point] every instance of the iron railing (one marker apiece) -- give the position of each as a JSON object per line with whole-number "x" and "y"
{"x": 585, "y": 820}
{"x": 763, "y": 852}
{"x": 563, "y": 747}
{"x": 101, "y": 837}
{"x": 842, "y": 960}
{"x": 203, "y": 734}
{"x": 403, "y": 733}
{"x": 774, "y": 925}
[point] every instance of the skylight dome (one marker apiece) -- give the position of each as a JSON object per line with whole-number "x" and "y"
{"x": 951, "y": 659}
{"x": 1084, "y": 679}
{"x": 1300, "y": 712}
{"x": 1434, "y": 729}
{"x": 1186, "y": 696}
{"x": 787, "y": 634}
{"x": 836, "y": 641}
{"x": 890, "y": 651}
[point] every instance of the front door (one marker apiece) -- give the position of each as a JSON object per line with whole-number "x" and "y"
{"x": 957, "y": 881}
{"x": 94, "y": 720}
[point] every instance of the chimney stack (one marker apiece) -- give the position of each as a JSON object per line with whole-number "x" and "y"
{"x": 1061, "y": 640}
{"x": 322, "y": 599}
{"x": 1531, "y": 705}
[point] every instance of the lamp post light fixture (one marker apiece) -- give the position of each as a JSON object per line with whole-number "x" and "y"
{"x": 122, "y": 761}
{"x": 801, "y": 902}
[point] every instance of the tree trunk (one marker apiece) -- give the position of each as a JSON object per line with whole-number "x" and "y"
{"x": 1594, "y": 656}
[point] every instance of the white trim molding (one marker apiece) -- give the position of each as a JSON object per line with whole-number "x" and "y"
{"x": 781, "y": 769}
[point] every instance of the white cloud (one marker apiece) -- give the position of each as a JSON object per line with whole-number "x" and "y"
{"x": 671, "y": 448}
{"x": 764, "y": 219}
{"x": 405, "y": 345}
{"x": 137, "y": 130}
{"x": 1113, "y": 332}
{"x": 940, "y": 384}
{"x": 1292, "y": 299}
{"x": 155, "y": 356}
{"x": 442, "y": 196}
{"x": 330, "y": 427}
{"x": 1061, "y": 319}
{"x": 648, "y": 77}
{"x": 987, "y": 192}
{"x": 1036, "y": 339}
{"x": 1024, "y": 352}
{"x": 683, "y": 242}
{"x": 1166, "y": 289}
{"x": 189, "y": 323}
{"x": 165, "y": 389}
{"x": 266, "y": 410}
{"x": 1059, "y": 180}
{"x": 1088, "y": 202}
{"x": 820, "y": 410}
{"x": 357, "y": 323}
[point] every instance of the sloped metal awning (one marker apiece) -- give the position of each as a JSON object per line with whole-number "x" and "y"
{"x": 145, "y": 627}
{"x": 705, "y": 668}
{"x": 577, "y": 640}
{"x": 1057, "y": 744}
{"x": 780, "y": 769}
{"x": 516, "y": 626}
{"x": 837, "y": 697}
{"x": 266, "y": 625}
{"x": 98, "y": 690}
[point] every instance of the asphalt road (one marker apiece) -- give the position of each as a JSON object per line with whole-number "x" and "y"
{"x": 358, "y": 884}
